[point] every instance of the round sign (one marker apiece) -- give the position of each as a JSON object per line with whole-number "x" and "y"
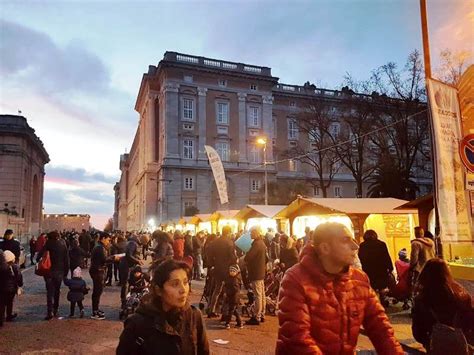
{"x": 466, "y": 150}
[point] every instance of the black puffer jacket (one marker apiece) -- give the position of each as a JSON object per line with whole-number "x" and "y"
{"x": 76, "y": 256}
{"x": 10, "y": 279}
{"x": 58, "y": 254}
{"x": 221, "y": 255}
{"x": 376, "y": 262}
{"x": 152, "y": 331}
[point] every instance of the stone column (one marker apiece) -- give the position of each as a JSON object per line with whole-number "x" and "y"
{"x": 150, "y": 128}
{"x": 171, "y": 118}
{"x": 202, "y": 92}
{"x": 267, "y": 123}
{"x": 242, "y": 127}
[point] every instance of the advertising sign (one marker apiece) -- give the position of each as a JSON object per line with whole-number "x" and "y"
{"x": 218, "y": 172}
{"x": 450, "y": 193}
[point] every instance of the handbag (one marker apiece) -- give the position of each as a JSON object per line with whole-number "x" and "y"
{"x": 43, "y": 268}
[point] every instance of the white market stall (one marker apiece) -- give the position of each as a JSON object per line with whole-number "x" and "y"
{"x": 260, "y": 215}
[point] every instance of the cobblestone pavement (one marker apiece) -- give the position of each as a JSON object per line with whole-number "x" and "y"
{"x": 30, "y": 334}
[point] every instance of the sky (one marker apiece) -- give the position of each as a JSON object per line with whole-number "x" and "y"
{"x": 73, "y": 68}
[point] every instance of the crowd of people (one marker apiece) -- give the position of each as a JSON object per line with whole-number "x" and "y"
{"x": 325, "y": 286}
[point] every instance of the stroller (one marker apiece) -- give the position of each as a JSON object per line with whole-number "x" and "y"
{"x": 132, "y": 302}
{"x": 272, "y": 287}
{"x": 249, "y": 306}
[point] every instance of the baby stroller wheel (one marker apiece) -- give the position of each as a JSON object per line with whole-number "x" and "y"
{"x": 201, "y": 306}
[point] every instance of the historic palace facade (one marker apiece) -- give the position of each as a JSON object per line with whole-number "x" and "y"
{"x": 187, "y": 102}
{"x": 22, "y": 161}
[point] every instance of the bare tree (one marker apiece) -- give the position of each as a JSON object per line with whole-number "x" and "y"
{"x": 315, "y": 121}
{"x": 351, "y": 139}
{"x": 453, "y": 65}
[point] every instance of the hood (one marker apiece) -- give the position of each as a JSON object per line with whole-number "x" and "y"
{"x": 311, "y": 263}
{"x": 164, "y": 321}
{"x": 426, "y": 241}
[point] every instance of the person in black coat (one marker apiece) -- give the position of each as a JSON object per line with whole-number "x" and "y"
{"x": 256, "y": 261}
{"x": 131, "y": 258}
{"x": 375, "y": 260}
{"x": 232, "y": 285}
{"x": 8, "y": 243}
{"x": 59, "y": 257}
{"x": 77, "y": 290}
{"x": 99, "y": 260}
{"x": 221, "y": 255}
{"x": 10, "y": 280}
{"x": 164, "y": 322}
{"x": 76, "y": 255}
{"x": 288, "y": 252}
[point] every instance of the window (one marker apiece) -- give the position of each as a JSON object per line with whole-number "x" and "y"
{"x": 254, "y": 185}
{"x": 188, "y": 78}
{"x": 335, "y": 129}
{"x": 253, "y": 87}
{"x": 222, "y": 149}
{"x": 254, "y": 154}
{"x": 292, "y": 129}
{"x": 188, "y": 204}
{"x": 316, "y": 190}
{"x": 254, "y": 119}
{"x": 222, "y": 82}
{"x": 188, "y": 183}
{"x": 188, "y": 149}
{"x": 188, "y": 109}
{"x": 274, "y": 125}
{"x": 292, "y": 165}
{"x": 223, "y": 112}
{"x": 314, "y": 134}
{"x": 337, "y": 191}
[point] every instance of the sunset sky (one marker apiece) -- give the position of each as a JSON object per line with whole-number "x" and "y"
{"x": 73, "y": 68}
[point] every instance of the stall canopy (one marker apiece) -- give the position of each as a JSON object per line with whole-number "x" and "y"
{"x": 226, "y": 214}
{"x": 185, "y": 220}
{"x": 349, "y": 206}
{"x": 255, "y": 211}
{"x": 202, "y": 217}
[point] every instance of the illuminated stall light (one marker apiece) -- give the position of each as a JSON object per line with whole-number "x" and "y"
{"x": 205, "y": 226}
{"x": 263, "y": 222}
{"x": 232, "y": 223}
{"x": 301, "y": 222}
{"x": 190, "y": 228}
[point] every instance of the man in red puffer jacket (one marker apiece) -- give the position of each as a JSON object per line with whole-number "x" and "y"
{"x": 323, "y": 301}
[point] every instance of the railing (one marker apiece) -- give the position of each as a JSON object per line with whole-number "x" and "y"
{"x": 208, "y": 62}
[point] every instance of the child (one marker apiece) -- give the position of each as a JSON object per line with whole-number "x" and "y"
{"x": 138, "y": 280}
{"x": 232, "y": 285}
{"x": 10, "y": 280}
{"x": 77, "y": 290}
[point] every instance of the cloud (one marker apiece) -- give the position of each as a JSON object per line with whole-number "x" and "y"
{"x": 32, "y": 56}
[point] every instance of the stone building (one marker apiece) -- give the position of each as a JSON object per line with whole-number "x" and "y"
{"x": 187, "y": 102}
{"x": 66, "y": 222}
{"x": 22, "y": 161}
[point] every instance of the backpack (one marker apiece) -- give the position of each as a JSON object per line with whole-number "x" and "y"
{"x": 43, "y": 268}
{"x": 447, "y": 340}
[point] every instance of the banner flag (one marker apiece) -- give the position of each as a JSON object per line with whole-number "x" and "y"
{"x": 218, "y": 172}
{"x": 450, "y": 188}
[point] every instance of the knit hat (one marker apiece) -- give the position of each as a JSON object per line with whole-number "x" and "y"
{"x": 402, "y": 254}
{"x": 234, "y": 268}
{"x": 9, "y": 256}
{"x": 77, "y": 272}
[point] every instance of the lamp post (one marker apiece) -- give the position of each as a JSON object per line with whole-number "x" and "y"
{"x": 263, "y": 141}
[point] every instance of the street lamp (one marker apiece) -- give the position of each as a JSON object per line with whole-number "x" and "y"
{"x": 263, "y": 141}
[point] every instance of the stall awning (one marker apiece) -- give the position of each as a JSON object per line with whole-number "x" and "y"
{"x": 349, "y": 206}
{"x": 202, "y": 217}
{"x": 422, "y": 201}
{"x": 227, "y": 214}
{"x": 185, "y": 220}
{"x": 256, "y": 211}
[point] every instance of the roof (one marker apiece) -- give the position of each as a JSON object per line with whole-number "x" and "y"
{"x": 255, "y": 211}
{"x": 201, "y": 217}
{"x": 346, "y": 206}
{"x": 224, "y": 214}
{"x": 426, "y": 199}
{"x": 185, "y": 220}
